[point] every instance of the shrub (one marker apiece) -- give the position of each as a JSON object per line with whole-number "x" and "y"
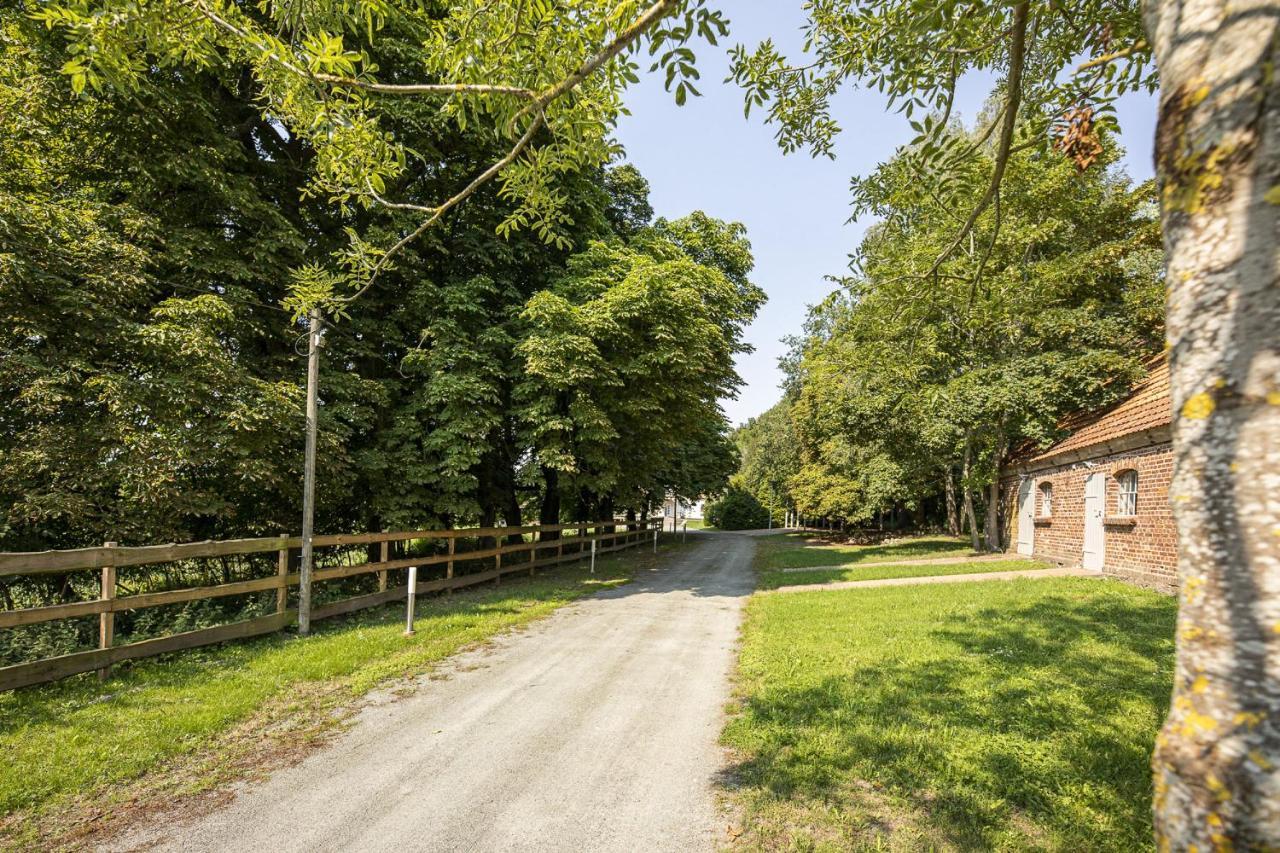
{"x": 737, "y": 510}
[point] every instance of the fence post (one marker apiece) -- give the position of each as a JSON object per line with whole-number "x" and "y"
{"x": 655, "y": 540}
{"x": 684, "y": 533}
{"x": 107, "y": 619}
{"x": 593, "y": 556}
{"x": 497, "y": 567}
{"x": 382, "y": 575}
{"x": 448, "y": 571}
{"x": 282, "y": 572}
{"x": 413, "y": 600}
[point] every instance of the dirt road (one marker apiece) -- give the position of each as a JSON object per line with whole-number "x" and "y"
{"x": 593, "y": 730}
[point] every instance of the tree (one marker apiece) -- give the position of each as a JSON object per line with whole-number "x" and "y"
{"x": 737, "y": 509}
{"x": 1217, "y": 764}
{"x": 899, "y": 389}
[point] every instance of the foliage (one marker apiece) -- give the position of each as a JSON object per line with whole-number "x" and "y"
{"x": 909, "y": 377}
{"x": 737, "y": 509}
{"x": 962, "y": 716}
{"x": 544, "y": 79}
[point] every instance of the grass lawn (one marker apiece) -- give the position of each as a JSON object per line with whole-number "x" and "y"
{"x": 800, "y": 550}
{"x": 70, "y": 740}
{"x": 772, "y": 579}
{"x": 1007, "y": 716}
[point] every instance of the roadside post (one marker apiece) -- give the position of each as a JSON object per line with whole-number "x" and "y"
{"x": 593, "y": 556}
{"x": 655, "y": 540}
{"x": 413, "y": 600}
{"x": 684, "y": 532}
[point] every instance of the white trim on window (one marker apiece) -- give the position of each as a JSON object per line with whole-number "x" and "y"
{"x": 1127, "y": 493}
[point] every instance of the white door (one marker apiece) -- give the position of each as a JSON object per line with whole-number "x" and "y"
{"x": 1095, "y": 491}
{"x": 1026, "y": 518}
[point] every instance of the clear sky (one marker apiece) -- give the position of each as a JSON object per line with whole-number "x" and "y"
{"x": 706, "y": 156}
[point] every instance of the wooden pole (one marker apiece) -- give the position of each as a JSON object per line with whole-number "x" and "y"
{"x": 593, "y": 556}
{"x": 107, "y": 620}
{"x": 309, "y": 475}
{"x": 382, "y": 575}
{"x": 282, "y": 572}
{"x": 448, "y": 571}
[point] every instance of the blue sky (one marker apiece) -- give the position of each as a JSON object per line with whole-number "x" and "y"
{"x": 706, "y": 156}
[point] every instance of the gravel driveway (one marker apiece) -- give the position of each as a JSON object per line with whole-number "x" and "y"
{"x": 592, "y": 730}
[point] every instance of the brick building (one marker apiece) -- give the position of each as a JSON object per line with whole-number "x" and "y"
{"x": 1100, "y": 497}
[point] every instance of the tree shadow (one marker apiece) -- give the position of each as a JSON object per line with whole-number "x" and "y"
{"x": 1018, "y": 726}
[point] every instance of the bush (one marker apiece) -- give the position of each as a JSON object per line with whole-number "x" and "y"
{"x": 737, "y": 510}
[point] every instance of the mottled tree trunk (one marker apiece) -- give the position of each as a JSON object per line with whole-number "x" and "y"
{"x": 967, "y": 502}
{"x": 549, "y": 512}
{"x": 953, "y": 512}
{"x": 1217, "y": 761}
{"x": 993, "y": 517}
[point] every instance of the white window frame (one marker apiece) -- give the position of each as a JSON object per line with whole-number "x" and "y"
{"x": 1127, "y": 493}
{"x": 1044, "y": 500}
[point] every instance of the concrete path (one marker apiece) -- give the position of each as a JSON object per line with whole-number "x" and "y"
{"x": 593, "y": 730}
{"x": 928, "y": 561}
{"x": 928, "y": 579}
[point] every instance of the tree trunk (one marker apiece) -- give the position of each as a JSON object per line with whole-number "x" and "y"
{"x": 549, "y": 512}
{"x": 967, "y": 507}
{"x": 993, "y": 517}
{"x": 953, "y": 514}
{"x": 1217, "y": 761}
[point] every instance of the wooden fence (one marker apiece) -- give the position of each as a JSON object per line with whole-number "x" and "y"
{"x": 535, "y": 550}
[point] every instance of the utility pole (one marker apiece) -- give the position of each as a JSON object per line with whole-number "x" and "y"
{"x": 314, "y": 336}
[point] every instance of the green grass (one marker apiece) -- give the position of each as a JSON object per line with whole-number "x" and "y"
{"x": 799, "y": 550}
{"x": 772, "y": 579}
{"x": 77, "y": 736}
{"x": 977, "y": 716}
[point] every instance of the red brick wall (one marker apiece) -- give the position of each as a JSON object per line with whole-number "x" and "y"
{"x": 1143, "y": 552}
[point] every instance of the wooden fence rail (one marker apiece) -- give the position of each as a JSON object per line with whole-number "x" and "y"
{"x": 571, "y": 543}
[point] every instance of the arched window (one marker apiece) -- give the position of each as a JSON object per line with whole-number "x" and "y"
{"x": 1046, "y": 499}
{"x": 1127, "y": 496}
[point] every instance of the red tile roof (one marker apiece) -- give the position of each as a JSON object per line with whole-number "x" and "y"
{"x": 1148, "y": 407}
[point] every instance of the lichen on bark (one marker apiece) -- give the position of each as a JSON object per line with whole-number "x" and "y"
{"x": 1217, "y": 761}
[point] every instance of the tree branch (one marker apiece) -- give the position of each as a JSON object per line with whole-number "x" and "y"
{"x": 1017, "y": 58}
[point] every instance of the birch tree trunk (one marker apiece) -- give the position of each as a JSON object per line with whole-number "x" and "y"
{"x": 1217, "y": 761}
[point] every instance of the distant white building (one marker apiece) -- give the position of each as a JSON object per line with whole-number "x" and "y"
{"x": 688, "y": 508}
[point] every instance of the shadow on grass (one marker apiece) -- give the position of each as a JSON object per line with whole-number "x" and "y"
{"x": 1023, "y": 727}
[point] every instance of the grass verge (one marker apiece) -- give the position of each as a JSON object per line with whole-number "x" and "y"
{"x": 185, "y": 724}
{"x": 1013, "y": 716}
{"x": 772, "y": 579}
{"x": 800, "y": 550}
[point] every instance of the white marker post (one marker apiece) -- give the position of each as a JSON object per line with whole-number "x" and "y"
{"x": 684, "y": 533}
{"x": 655, "y": 540}
{"x": 413, "y": 600}
{"x": 593, "y": 556}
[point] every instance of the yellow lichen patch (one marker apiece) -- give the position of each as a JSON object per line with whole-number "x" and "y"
{"x": 1200, "y": 685}
{"x": 1198, "y": 407}
{"x": 1261, "y": 760}
{"x": 1273, "y": 195}
{"x": 1219, "y": 790}
{"x": 1193, "y": 632}
{"x": 1273, "y": 397}
{"x": 1249, "y": 718}
{"x": 1221, "y": 844}
{"x": 1195, "y": 723}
